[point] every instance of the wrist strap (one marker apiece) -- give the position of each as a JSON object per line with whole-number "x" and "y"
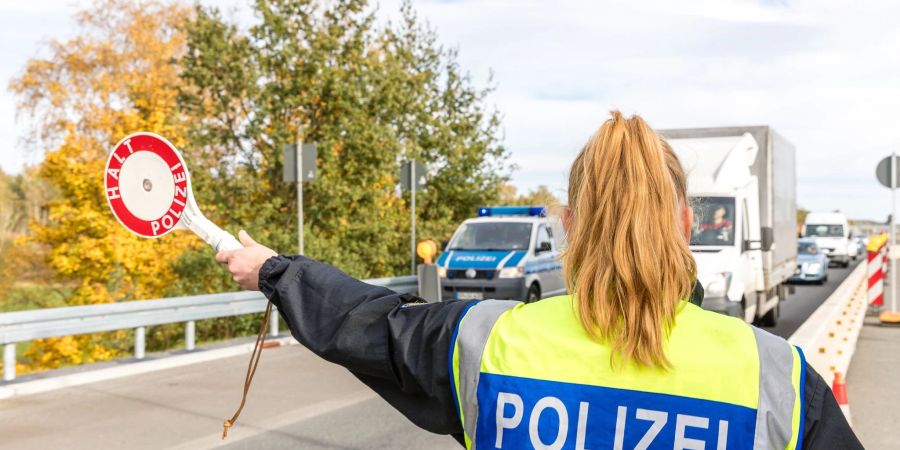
{"x": 251, "y": 369}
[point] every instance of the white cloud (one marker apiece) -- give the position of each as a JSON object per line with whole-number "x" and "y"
{"x": 822, "y": 72}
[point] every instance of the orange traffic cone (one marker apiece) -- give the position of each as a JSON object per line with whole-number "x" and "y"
{"x": 839, "y": 388}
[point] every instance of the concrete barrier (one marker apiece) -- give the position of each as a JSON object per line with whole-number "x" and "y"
{"x": 828, "y": 337}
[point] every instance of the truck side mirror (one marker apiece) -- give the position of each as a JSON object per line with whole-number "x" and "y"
{"x": 768, "y": 238}
{"x": 543, "y": 247}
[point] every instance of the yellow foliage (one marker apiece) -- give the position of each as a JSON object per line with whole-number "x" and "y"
{"x": 116, "y": 77}
{"x": 53, "y": 352}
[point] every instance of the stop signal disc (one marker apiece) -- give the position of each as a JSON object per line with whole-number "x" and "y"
{"x": 147, "y": 184}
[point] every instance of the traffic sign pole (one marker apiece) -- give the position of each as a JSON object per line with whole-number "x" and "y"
{"x": 890, "y": 249}
{"x": 299, "y": 158}
{"x": 412, "y": 177}
{"x": 412, "y": 239}
{"x": 886, "y": 173}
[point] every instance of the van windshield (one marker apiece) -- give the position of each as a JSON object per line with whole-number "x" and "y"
{"x": 713, "y": 221}
{"x": 824, "y": 230}
{"x": 492, "y": 236}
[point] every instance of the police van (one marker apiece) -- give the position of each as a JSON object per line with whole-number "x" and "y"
{"x": 507, "y": 252}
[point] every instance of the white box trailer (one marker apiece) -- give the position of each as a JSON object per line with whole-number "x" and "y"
{"x": 742, "y": 182}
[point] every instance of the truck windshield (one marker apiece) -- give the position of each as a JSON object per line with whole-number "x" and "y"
{"x": 824, "y": 231}
{"x": 713, "y": 221}
{"x": 492, "y": 236}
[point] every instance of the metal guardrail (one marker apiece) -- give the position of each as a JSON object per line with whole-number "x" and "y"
{"x": 23, "y": 326}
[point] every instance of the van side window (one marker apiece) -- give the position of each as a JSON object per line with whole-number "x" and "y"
{"x": 543, "y": 238}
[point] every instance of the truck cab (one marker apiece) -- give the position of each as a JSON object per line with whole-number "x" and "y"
{"x": 507, "y": 253}
{"x": 743, "y": 206}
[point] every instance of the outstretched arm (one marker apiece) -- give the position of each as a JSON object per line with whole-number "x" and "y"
{"x": 395, "y": 343}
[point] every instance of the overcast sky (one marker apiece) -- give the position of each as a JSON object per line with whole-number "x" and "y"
{"x": 824, "y": 73}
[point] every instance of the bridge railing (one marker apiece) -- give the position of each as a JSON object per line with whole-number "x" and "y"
{"x": 24, "y": 326}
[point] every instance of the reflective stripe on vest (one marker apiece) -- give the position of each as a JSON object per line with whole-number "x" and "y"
{"x": 567, "y": 402}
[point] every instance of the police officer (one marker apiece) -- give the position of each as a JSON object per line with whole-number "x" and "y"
{"x": 624, "y": 362}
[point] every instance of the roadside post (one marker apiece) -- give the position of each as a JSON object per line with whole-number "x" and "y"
{"x": 875, "y": 270}
{"x": 412, "y": 178}
{"x": 305, "y": 164}
{"x": 428, "y": 279}
{"x": 886, "y": 172}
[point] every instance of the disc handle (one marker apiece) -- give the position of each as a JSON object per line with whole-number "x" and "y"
{"x": 218, "y": 238}
{"x": 226, "y": 241}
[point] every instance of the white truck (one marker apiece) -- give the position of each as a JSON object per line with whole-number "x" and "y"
{"x": 831, "y": 231}
{"x": 742, "y": 186}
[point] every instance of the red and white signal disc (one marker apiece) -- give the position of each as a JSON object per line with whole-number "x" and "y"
{"x": 147, "y": 184}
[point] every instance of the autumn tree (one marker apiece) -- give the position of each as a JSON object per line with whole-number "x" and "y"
{"x": 116, "y": 76}
{"x": 371, "y": 96}
{"x": 540, "y": 196}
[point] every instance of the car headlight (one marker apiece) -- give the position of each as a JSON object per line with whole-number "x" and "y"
{"x": 813, "y": 267}
{"x": 511, "y": 272}
{"x": 442, "y": 272}
{"x": 718, "y": 285}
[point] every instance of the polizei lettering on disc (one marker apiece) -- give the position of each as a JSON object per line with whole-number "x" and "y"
{"x": 127, "y": 148}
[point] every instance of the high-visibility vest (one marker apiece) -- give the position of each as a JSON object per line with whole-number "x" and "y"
{"x": 529, "y": 376}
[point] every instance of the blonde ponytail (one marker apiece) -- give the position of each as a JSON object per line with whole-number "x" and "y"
{"x": 627, "y": 262}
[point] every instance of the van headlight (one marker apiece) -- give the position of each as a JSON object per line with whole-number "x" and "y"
{"x": 718, "y": 285}
{"x": 511, "y": 272}
{"x": 442, "y": 272}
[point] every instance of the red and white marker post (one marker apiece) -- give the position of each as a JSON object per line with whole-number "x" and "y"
{"x": 875, "y": 265}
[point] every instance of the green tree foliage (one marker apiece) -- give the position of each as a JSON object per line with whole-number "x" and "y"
{"x": 371, "y": 96}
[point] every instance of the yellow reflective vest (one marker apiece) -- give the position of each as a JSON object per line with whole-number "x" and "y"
{"x": 529, "y": 376}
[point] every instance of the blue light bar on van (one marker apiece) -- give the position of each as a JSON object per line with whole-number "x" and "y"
{"x": 534, "y": 211}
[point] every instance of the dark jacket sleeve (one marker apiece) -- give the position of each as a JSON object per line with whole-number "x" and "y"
{"x": 395, "y": 343}
{"x": 825, "y": 426}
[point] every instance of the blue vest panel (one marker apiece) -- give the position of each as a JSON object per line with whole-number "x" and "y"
{"x": 515, "y": 412}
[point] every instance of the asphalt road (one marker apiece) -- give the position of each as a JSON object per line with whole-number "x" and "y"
{"x": 796, "y": 308}
{"x": 297, "y": 401}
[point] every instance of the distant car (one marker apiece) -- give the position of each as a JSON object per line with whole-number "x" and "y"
{"x": 861, "y": 245}
{"x": 812, "y": 263}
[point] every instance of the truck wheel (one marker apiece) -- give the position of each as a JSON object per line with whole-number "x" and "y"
{"x": 771, "y": 317}
{"x": 534, "y": 293}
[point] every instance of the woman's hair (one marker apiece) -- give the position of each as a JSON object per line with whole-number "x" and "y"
{"x": 627, "y": 261}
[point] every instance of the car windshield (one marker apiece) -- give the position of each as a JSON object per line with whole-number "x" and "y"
{"x": 824, "y": 230}
{"x": 807, "y": 248}
{"x": 713, "y": 221}
{"x": 492, "y": 236}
